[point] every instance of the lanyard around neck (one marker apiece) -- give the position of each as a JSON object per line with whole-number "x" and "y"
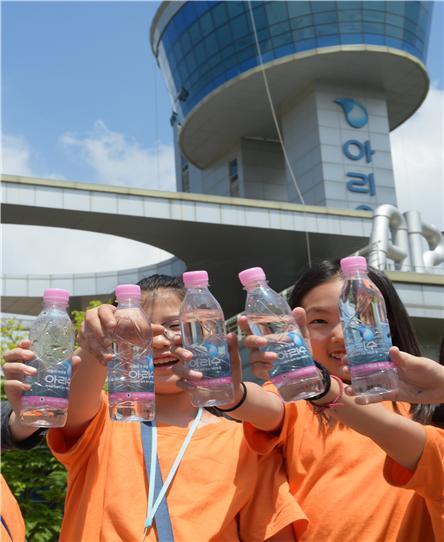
{"x": 154, "y": 505}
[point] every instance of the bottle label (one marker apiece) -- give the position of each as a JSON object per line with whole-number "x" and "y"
{"x": 212, "y": 360}
{"x": 51, "y": 385}
{"x": 370, "y": 368}
{"x": 131, "y": 381}
{"x": 293, "y": 357}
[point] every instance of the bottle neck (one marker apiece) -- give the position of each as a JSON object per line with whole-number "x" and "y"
{"x": 197, "y": 287}
{"x": 57, "y": 305}
{"x": 256, "y": 284}
{"x": 355, "y": 274}
{"x": 128, "y": 302}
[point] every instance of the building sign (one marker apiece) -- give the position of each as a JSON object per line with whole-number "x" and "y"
{"x": 356, "y": 116}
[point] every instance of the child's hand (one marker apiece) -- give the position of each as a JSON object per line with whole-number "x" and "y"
{"x": 188, "y": 377}
{"x": 15, "y": 371}
{"x": 262, "y": 362}
{"x": 101, "y": 328}
{"x": 421, "y": 380}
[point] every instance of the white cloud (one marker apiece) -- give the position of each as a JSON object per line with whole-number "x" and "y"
{"x": 16, "y": 155}
{"x": 417, "y": 152}
{"x": 120, "y": 160}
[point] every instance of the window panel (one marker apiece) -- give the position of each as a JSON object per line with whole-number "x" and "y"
{"x": 303, "y": 33}
{"x": 350, "y": 15}
{"x": 224, "y": 37}
{"x": 301, "y": 22}
{"x": 296, "y": 9}
{"x": 325, "y": 18}
{"x": 260, "y": 17}
{"x": 283, "y": 39}
{"x": 374, "y": 16}
{"x": 235, "y": 8}
{"x": 350, "y": 28}
{"x": 240, "y": 27}
{"x": 317, "y": 7}
{"x": 327, "y": 29}
{"x": 276, "y": 12}
{"x": 206, "y": 24}
{"x": 211, "y": 45}
{"x": 393, "y": 31}
{"x": 374, "y": 28}
{"x": 395, "y": 7}
{"x": 219, "y": 14}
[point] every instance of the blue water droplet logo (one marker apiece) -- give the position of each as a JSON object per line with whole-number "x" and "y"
{"x": 355, "y": 113}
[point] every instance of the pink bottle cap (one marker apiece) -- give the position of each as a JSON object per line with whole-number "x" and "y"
{"x": 128, "y": 291}
{"x": 353, "y": 263}
{"x": 194, "y": 279}
{"x": 56, "y": 295}
{"x": 251, "y": 275}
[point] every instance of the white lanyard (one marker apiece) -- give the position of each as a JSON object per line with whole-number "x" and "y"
{"x": 153, "y": 506}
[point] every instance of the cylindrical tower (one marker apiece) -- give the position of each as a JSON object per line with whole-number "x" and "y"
{"x": 341, "y": 76}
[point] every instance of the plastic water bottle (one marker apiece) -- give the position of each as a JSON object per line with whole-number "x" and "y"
{"x": 52, "y": 337}
{"x": 269, "y": 315}
{"x": 203, "y": 331}
{"x": 366, "y": 330}
{"x": 131, "y": 371}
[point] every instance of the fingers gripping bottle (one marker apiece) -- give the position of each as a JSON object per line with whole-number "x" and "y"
{"x": 366, "y": 330}
{"x": 52, "y": 337}
{"x": 131, "y": 371}
{"x": 269, "y": 315}
{"x": 203, "y": 331}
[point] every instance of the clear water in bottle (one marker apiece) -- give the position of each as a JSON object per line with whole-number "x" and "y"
{"x": 366, "y": 331}
{"x": 203, "y": 333}
{"x": 52, "y": 338}
{"x": 269, "y": 315}
{"x": 131, "y": 371}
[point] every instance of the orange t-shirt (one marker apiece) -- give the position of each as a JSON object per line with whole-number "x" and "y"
{"x": 222, "y": 490}
{"x": 11, "y": 516}
{"x": 427, "y": 481}
{"x": 336, "y": 475}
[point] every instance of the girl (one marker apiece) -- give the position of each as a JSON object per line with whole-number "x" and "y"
{"x": 222, "y": 491}
{"x": 336, "y": 473}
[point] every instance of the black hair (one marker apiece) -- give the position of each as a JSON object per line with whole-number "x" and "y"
{"x": 403, "y": 334}
{"x": 166, "y": 282}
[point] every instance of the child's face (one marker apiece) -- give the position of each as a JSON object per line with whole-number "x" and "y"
{"x": 162, "y": 306}
{"x": 322, "y": 307}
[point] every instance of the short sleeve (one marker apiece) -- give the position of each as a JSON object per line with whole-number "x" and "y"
{"x": 74, "y": 455}
{"x": 271, "y": 507}
{"x": 428, "y": 478}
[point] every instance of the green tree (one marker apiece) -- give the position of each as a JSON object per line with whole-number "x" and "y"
{"x": 35, "y": 477}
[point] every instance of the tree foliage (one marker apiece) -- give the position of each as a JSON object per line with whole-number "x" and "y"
{"x": 35, "y": 477}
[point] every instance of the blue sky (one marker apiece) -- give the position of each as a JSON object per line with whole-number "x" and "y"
{"x": 83, "y": 99}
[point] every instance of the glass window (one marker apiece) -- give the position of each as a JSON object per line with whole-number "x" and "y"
{"x": 395, "y": 20}
{"x": 233, "y": 177}
{"x": 412, "y": 10}
{"x": 350, "y": 28}
{"x": 280, "y": 28}
{"x": 240, "y": 26}
{"x": 276, "y": 12}
{"x": 327, "y": 29}
{"x": 393, "y": 31}
{"x": 318, "y": 7}
{"x": 350, "y": 15}
{"x": 185, "y": 42}
{"x": 224, "y": 36}
{"x": 373, "y": 16}
{"x": 327, "y": 41}
{"x": 235, "y": 8}
{"x": 395, "y": 7}
{"x": 199, "y": 52}
{"x": 326, "y": 17}
{"x": 303, "y": 33}
{"x": 301, "y": 22}
{"x": 374, "y": 28}
{"x": 283, "y": 39}
{"x": 374, "y": 39}
{"x": 185, "y": 178}
{"x": 228, "y": 51}
{"x": 210, "y": 43}
{"x": 219, "y": 13}
{"x": 206, "y": 23}
{"x": 350, "y": 5}
{"x": 260, "y": 17}
{"x": 296, "y": 9}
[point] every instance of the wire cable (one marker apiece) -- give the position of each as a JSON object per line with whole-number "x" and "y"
{"x": 278, "y": 130}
